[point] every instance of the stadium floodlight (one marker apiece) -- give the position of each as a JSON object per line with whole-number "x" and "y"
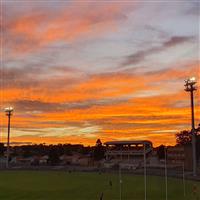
{"x": 193, "y": 79}
{"x": 190, "y": 87}
{"x": 190, "y": 84}
{"x": 9, "y": 112}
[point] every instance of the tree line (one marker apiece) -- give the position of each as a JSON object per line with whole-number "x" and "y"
{"x": 55, "y": 151}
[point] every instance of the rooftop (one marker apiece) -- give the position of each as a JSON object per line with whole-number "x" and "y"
{"x": 124, "y": 142}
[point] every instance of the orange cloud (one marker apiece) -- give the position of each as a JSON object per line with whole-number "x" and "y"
{"x": 44, "y": 27}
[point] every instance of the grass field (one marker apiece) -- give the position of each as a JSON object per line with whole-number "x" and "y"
{"x": 37, "y": 185}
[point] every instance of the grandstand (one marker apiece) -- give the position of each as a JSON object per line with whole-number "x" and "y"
{"x": 127, "y": 154}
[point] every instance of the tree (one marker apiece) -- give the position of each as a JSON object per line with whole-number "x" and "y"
{"x": 1, "y": 148}
{"x": 53, "y": 156}
{"x": 161, "y": 152}
{"x": 99, "y": 150}
{"x": 98, "y": 143}
{"x": 184, "y": 137}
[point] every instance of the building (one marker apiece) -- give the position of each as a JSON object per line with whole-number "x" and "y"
{"x": 76, "y": 159}
{"x": 176, "y": 155}
{"x": 127, "y": 154}
{"x": 32, "y": 160}
{"x": 179, "y": 155}
{"x": 21, "y": 161}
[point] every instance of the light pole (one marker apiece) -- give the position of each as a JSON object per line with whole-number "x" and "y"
{"x": 8, "y": 111}
{"x": 145, "y": 172}
{"x": 166, "y": 179}
{"x": 120, "y": 183}
{"x": 190, "y": 87}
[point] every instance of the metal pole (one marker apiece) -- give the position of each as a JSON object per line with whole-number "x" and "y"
{"x": 193, "y": 134}
{"x": 190, "y": 87}
{"x": 184, "y": 193}
{"x": 145, "y": 174}
{"x": 8, "y": 140}
{"x": 166, "y": 186}
{"x": 192, "y": 108}
{"x": 120, "y": 183}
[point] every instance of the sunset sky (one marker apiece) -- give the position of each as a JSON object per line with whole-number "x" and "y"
{"x": 76, "y": 71}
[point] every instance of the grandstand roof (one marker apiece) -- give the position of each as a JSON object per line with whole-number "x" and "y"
{"x": 124, "y": 142}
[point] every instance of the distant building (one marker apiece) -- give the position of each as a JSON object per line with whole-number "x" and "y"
{"x": 76, "y": 159}
{"x": 179, "y": 155}
{"x": 127, "y": 154}
{"x": 43, "y": 160}
{"x": 20, "y": 161}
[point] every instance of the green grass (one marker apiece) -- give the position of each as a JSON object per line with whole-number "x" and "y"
{"x": 38, "y": 185}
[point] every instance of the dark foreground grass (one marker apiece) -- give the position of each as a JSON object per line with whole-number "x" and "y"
{"x": 37, "y": 185}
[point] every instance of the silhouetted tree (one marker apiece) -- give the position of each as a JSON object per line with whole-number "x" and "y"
{"x": 53, "y": 156}
{"x": 55, "y": 151}
{"x": 98, "y": 143}
{"x": 99, "y": 150}
{"x": 184, "y": 137}
{"x": 1, "y": 149}
{"x": 161, "y": 152}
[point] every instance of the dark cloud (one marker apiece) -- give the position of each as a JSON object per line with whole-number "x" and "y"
{"x": 176, "y": 40}
{"x": 36, "y": 76}
{"x": 80, "y": 124}
{"x": 31, "y": 105}
{"x": 40, "y": 106}
{"x": 141, "y": 55}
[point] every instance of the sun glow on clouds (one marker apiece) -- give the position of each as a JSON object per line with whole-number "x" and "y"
{"x": 98, "y": 70}
{"x": 90, "y": 131}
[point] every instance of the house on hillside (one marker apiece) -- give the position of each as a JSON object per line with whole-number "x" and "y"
{"x": 76, "y": 159}
{"x": 20, "y": 161}
{"x": 40, "y": 160}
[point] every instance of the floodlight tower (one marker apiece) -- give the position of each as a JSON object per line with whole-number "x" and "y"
{"x": 190, "y": 87}
{"x": 8, "y": 111}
